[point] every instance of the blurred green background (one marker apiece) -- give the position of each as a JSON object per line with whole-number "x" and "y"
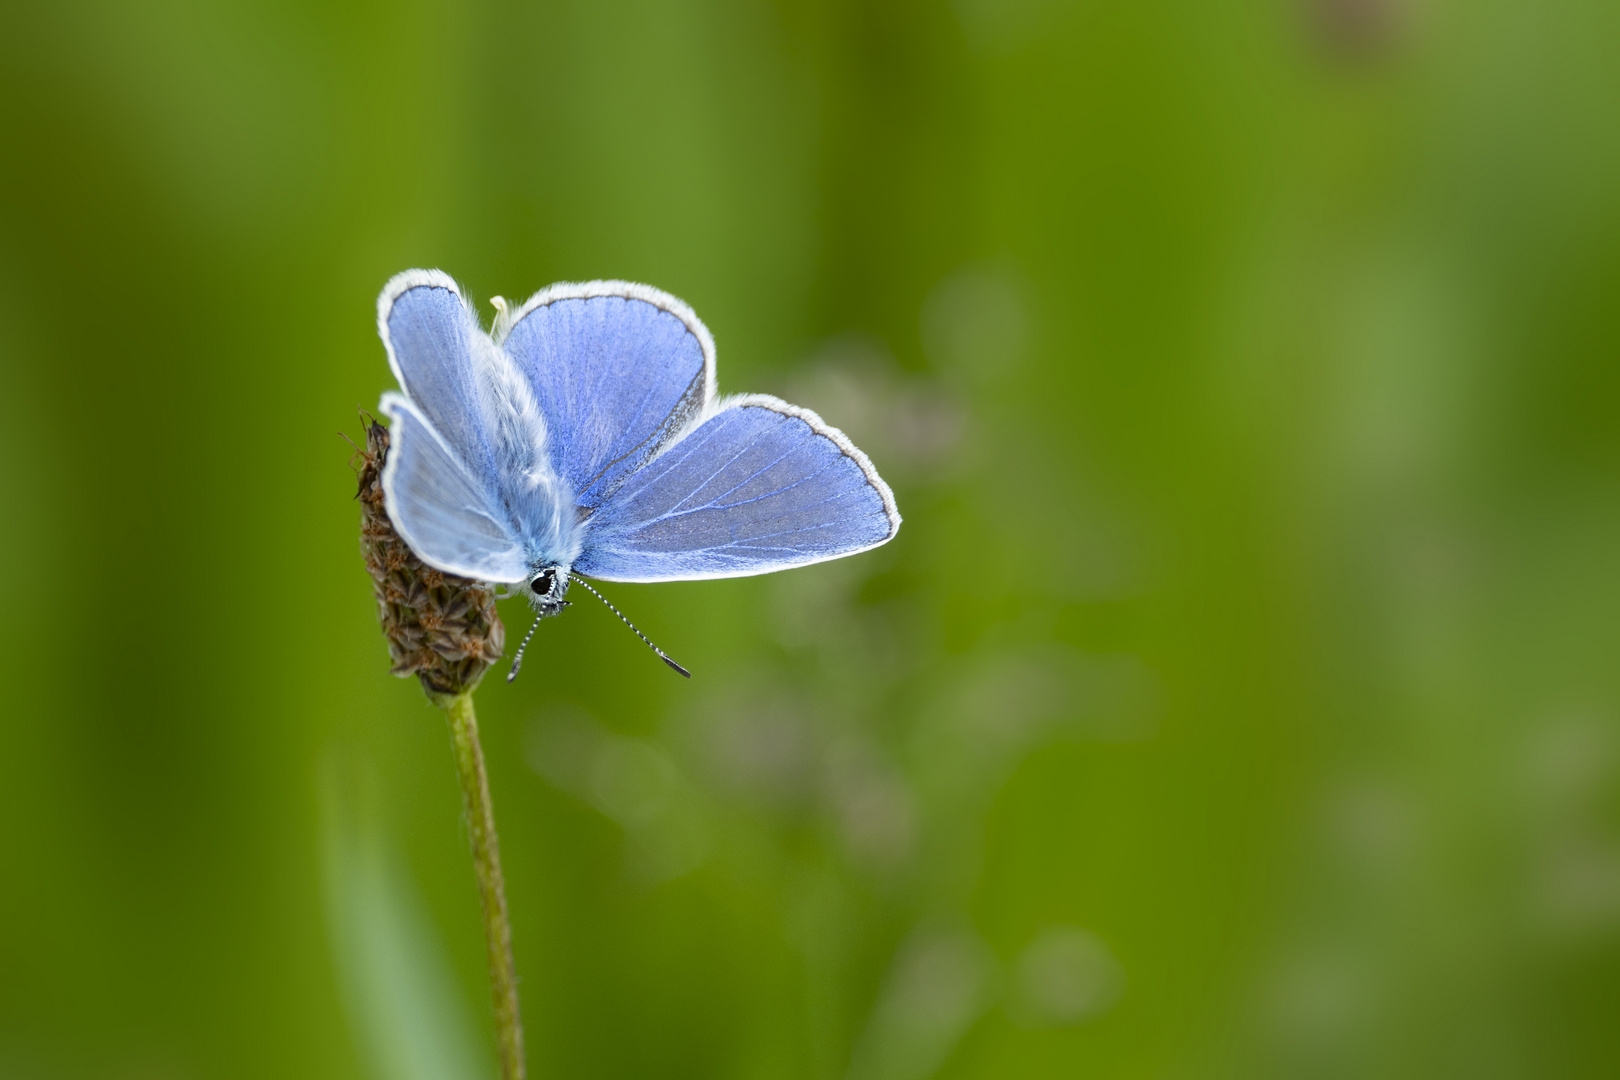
{"x": 1240, "y": 699}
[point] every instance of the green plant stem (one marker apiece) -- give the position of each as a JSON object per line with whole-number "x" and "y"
{"x": 486, "y": 850}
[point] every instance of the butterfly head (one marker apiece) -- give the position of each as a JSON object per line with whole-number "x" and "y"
{"x": 546, "y": 588}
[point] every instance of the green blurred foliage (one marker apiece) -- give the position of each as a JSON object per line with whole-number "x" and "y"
{"x": 1239, "y": 699}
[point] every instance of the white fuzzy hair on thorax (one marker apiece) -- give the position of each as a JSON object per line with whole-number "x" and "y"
{"x": 518, "y": 430}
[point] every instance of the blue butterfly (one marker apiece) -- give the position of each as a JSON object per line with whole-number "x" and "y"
{"x": 584, "y": 436}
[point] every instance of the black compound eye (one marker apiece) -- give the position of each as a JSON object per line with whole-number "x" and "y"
{"x": 542, "y": 584}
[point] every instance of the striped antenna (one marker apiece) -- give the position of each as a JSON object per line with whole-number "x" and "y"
{"x": 662, "y": 655}
{"x": 517, "y": 661}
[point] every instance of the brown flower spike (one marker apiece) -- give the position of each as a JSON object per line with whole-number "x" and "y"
{"x": 441, "y": 628}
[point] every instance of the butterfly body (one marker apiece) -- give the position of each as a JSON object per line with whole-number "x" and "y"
{"x": 585, "y": 437}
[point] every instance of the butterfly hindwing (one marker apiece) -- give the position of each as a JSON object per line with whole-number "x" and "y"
{"x": 618, "y": 370}
{"x": 446, "y": 515}
{"x": 758, "y": 486}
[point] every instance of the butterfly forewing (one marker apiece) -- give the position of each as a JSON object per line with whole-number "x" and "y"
{"x": 618, "y": 370}
{"x": 432, "y": 341}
